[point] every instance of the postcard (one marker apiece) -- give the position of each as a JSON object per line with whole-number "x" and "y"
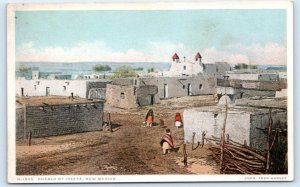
{"x": 150, "y": 92}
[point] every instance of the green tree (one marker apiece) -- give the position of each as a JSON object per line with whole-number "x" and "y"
{"x": 245, "y": 66}
{"x": 138, "y": 69}
{"x": 101, "y": 68}
{"x": 125, "y": 71}
{"x": 23, "y": 70}
{"x": 150, "y": 70}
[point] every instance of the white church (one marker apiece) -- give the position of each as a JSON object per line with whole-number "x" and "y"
{"x": 185, "y": 68}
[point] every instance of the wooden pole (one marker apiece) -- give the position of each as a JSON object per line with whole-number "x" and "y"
{"x": 109, "y": 123}
{"x": 223, "y": 137}
{"x": 268, "y": 142}
{"x": 184, "y": 155}
{"x": 29, "y": 138}
{"x": 203, "y": 138}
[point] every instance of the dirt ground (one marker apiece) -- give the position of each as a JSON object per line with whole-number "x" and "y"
{"x": 132, "y": 148}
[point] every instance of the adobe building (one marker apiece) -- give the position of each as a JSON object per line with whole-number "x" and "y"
{"x": 130, "y": 96}
{"x": 172, "y": 87}
{"x": 245, "y": 125}
{"x": 57, "y": 115}
{"x": 44, "y": 87}
{"x": 194, "y": 67}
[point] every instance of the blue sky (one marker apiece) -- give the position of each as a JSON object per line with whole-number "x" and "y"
{"x": 221, "y": 35}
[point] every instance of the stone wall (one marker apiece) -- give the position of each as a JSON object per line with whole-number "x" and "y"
{"x": 54, "y": 120}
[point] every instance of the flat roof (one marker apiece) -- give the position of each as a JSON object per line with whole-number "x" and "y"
{"x": 53, "y": 100}
{"x": 234, "y": 109}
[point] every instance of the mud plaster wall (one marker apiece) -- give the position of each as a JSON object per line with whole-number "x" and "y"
{"x": 56, "y": 87}
{"x": 94, "y": 86}
{"x": 259, "y": 137}
{"x": 146, "y": 95}
{"x": 241, "y": 126}
{"x": 19, "y": 123}
{"x": 121, "y": 96}
{"x": 123, "y": 81}
{"x": 63, "y": 120}
{"x": 216, "y": 68}
{"x": 97, "y": 93}
{"x": 178, "y": 86}
{"x": 254, "y": 76}
{"x": 244, "y": 93}
{"x": 238, "y": 125}
{"x": 252, "y": 93}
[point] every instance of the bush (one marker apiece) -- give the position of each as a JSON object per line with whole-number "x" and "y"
{"x": 150, "y": 70}
{"x": 245, "y": 66}
{"x": 125, "y": 71}
{"x": 101, "y": 68}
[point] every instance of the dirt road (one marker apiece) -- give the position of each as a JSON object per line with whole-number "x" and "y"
{"x": 131, "y": 148}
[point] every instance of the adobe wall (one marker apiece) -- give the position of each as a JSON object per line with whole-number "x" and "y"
{"x": 178, "y": 86}
{"x": 95, "y": 85}
{"x": 211, "y": 121}
{"x": 61, "y": 119}
{"x": 97, "y": 93}
{"x": 121, "y": 96}
{"x": 57, "y": 87}
{"x": 146, "y": 95}
{"x": 242, "y": 124}
{"x": 259, "y": 122}
{"x": 20, "y": 123}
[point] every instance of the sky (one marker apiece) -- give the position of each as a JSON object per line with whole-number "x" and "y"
{"x": 234, "y": 36}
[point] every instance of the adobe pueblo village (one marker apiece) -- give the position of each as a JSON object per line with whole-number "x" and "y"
{"x": 194, "y": 118}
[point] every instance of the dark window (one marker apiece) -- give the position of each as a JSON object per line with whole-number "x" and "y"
{"x": 64, "y": 88}
{"x": 122, "y": 95}
{"x": 200, "y": 86}
{"x": 184, "y": 67}
{"x": 183, "y": 86}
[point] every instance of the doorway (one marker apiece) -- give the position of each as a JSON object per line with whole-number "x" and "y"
{"x": 189, "y": 89}
{"x": 166, "y": 94}
{"x": 47, "y": 91}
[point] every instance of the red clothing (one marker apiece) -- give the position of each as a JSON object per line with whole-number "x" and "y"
{"x": 167, "y": 138}
{"x": 149, "y": 119}
{"x": 178, "y": 117}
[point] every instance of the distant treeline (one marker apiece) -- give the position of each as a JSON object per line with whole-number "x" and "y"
{"x": 245, "y": 66}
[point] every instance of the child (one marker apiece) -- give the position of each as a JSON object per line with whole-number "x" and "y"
{"x": 149, "y": 118}
{"x": 178, "y": 120}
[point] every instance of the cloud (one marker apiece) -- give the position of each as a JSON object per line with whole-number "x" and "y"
{"x": 268, "y": 54}
{"x": 271, "y": 53}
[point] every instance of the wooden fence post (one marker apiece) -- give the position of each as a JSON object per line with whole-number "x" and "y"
{"x": 109, "y": 123}
{"x": 268, "y": 142}
{"x": 223, "y": 137}
{"x": 184, "y": 155}
{"x": 29, "y": 138}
